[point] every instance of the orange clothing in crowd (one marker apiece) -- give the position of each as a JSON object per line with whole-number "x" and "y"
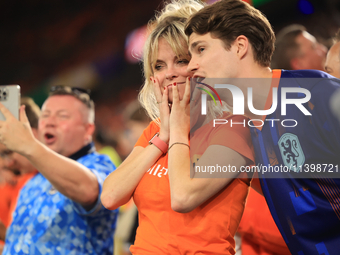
{"x": 260, "y": 236}
{"x": 208, "y": 229}
{"x": 6, "y": 191}
{"x": 9, "y": 196}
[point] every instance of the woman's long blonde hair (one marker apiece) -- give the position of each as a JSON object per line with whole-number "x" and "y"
{"x": 168, "y": 24}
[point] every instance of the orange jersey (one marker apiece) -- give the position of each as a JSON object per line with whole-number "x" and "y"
{"x": 260, "y": 235}
{"x": 6, "y": 191}
{"x": 9, "y": 196}
{"x": 208, "y": 229}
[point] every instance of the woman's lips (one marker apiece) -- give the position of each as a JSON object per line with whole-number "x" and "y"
{"x": 177, "y": 83}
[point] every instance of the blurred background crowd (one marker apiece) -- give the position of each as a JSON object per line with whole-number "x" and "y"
{"x": 97, "y": 44}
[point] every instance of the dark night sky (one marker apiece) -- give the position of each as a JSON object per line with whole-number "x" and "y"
{"x": 41, "y": 38}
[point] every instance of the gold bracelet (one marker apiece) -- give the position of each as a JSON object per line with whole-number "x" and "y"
{"x": 179, "y": 143}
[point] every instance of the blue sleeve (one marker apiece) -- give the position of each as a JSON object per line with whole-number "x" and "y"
{"x": 101, "y": 166}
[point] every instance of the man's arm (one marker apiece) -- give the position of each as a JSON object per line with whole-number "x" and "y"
{"x": 69, "y": 177}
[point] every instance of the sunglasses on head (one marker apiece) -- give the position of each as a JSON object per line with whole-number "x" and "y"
{"x": 75, "y": 90}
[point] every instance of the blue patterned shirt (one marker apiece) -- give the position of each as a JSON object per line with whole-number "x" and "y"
{"x": 47, "y": 222}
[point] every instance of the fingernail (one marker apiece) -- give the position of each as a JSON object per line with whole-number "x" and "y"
{"x": 164, "y": 88}
{"x": 150, "y": 79}
{"x": 154, "y": 81}
{"x": 189, "y": 78}
{"x": 174, "y": 83}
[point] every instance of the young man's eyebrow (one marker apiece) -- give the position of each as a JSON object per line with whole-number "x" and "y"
{"x": 193, "y": 45}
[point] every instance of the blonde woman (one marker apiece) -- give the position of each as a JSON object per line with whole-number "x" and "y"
{"x": 177, "y": 214}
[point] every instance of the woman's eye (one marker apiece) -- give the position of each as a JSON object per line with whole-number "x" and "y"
{"x": 183, "y": 61}
{"x": 158, "y": 67}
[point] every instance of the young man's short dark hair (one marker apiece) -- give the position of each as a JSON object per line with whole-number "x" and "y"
{"x": 228, "y": 19}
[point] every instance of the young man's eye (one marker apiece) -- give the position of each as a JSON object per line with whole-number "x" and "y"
{"x": 200, "y": 49}
{"x": 328, "y": 70}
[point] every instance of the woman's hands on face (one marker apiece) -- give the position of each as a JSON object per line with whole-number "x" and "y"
{"x": 180, "y": 111}
{"x": 164, "y": 110}
{"x": 178, "y": 119}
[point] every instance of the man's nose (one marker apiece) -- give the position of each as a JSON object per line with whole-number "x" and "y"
{"x": 50, "y": 121}
{"x": 192, "y": 66}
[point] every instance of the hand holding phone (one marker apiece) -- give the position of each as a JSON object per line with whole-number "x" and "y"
{"x": 10, "y": 98}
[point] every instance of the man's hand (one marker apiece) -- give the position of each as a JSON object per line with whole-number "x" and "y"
{"x": 14, "y": 134}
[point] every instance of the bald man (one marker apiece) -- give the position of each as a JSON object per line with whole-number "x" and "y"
{"x": 296, "y": 49}
{"x": 332, "y": 65}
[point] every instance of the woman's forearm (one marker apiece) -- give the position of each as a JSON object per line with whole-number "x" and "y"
{"x": 119, "y": 186}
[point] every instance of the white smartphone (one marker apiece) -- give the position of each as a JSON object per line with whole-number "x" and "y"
{"x": 10, "y": 98}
